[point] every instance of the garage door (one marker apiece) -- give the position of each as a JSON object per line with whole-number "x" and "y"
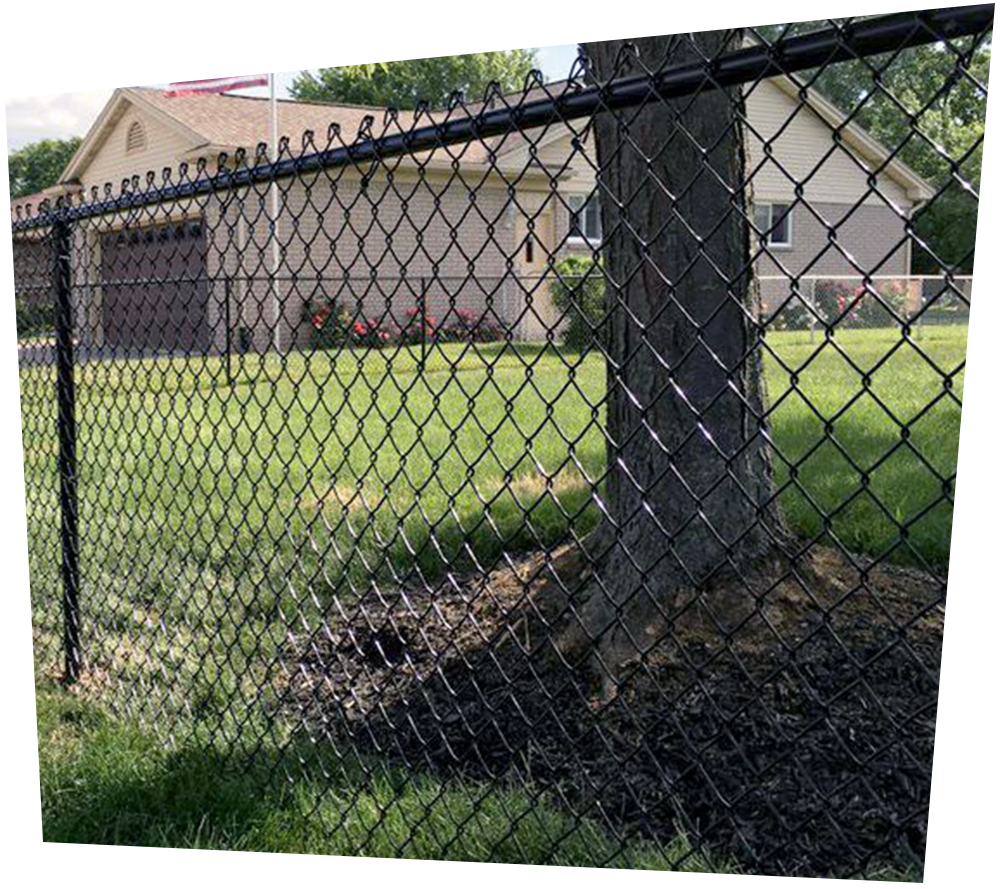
{"x": 155, "y": 289}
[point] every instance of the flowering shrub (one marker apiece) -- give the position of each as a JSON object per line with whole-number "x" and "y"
{"x": 332, "y": 326}
{"x": 328, "y": 324}
{"x": 467, "y": 326}
{"x": 411, "y": 330}
{"x": 364, "y": 332}
{"x": 851, "y": 305}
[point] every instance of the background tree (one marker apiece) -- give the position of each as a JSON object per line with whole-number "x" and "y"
{"x": 39, "y": 165}
{"x": 403, "y": 84}
{"x": 950, "y": 120}
{"x": 690, "y": 495}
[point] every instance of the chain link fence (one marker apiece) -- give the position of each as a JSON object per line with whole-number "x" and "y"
{"x": 569, "y": 472}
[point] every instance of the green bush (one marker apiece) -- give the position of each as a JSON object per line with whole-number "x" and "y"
{"x": 794, "y": 315}
{"x": 579, "y": 294}
{"x": 34, "y": 320}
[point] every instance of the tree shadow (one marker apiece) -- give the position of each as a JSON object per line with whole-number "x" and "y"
{"x": 783, "y": 725}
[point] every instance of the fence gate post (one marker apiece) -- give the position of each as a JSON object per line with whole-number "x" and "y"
{"x": 66, "y": 422}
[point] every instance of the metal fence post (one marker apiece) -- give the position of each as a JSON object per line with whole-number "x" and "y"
{"x": 423, "y": 324}
{"x": 812, "y": 307}
{"x": 229, "y": 333}
{"x": 66, "y": 422}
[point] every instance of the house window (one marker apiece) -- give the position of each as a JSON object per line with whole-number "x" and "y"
{"x": 774, "y": 222}
{"x": 135, "y": 138}
{"x": 584, "y": 218}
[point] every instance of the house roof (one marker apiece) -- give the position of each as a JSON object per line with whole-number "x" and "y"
{"x": 244, "y": 121}
{"x": 213, "y": 123}
{"x": 29, "y": 205}
{"x": 33, "y": 204}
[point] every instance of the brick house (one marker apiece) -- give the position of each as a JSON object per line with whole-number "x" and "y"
{"x": 375, "y": 238}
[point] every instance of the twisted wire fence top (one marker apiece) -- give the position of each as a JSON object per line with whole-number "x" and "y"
{"x": 564, "y": 476}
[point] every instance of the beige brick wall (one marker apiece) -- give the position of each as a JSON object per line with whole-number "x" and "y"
{"x": 870, "y": 240}
{"x": 827, "y": 237}
{"x": 369, "y": 247}
{"x": 332, "y": 252}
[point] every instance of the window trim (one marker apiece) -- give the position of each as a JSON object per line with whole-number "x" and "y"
{"x": 582, "y": 239}
{"x": 767, "y": 234}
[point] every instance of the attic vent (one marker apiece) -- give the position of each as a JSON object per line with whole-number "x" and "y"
{"x": 135, "y": 140}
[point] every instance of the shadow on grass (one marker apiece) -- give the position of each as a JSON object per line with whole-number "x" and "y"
{"x": 106, "y": 782}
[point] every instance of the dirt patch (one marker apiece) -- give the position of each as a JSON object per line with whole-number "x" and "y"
{"x": 787, "y": 721}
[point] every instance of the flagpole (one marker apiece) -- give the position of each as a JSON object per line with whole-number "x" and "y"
{"x": 275, "y": 247}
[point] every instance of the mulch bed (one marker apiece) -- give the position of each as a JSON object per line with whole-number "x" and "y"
{"x": 788, "y": 727}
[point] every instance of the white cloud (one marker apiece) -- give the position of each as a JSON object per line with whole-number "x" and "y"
{"x": 52, "y": 117}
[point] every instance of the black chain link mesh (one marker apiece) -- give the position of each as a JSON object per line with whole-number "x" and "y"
{"x": 625, "y": 529}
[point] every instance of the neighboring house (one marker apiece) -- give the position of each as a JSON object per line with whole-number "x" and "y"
{"x": 376, "y": 237}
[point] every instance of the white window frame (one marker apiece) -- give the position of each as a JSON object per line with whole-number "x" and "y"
{"x": 767, "y": 234}
{"x": 577, "y": 203}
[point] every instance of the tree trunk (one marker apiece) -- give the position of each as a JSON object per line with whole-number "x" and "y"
{"x": 690, "y": 490}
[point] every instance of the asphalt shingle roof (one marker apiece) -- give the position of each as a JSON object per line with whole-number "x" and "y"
{"x": 243, "y": 121}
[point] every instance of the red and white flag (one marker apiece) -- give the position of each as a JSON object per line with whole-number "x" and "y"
{"x": 216, "y": 84}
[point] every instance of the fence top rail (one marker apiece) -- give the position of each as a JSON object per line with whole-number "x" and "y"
{"x": 573, "y": 101}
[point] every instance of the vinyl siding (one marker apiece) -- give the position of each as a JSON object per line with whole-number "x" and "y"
{"x": 802, "y": 149}
{"x": 111, "y": 165}
{"x": 370, "y": 248}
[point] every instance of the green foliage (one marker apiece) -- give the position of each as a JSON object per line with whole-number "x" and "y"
{"x": 403, "y": 84}
{"x": 39, "y": 165}
{"x": 793, "y": 315}
{"x": 579, "y": 293}
{"x": 34, "y": 320}
{"x": 951, "y": 121}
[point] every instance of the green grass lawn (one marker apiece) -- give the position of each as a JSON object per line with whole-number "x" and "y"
{"x": 105, "y": 781}
{"x": 204, "y": 505}
{"x": 216, "y": 517}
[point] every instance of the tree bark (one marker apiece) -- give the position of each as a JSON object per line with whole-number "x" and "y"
{"x": 690, "y": 489}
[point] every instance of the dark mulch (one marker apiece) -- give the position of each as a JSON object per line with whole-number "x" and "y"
{"x": 789, "y": 727}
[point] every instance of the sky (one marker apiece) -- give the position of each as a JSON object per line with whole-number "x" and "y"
{"x": 70, "y": 114}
